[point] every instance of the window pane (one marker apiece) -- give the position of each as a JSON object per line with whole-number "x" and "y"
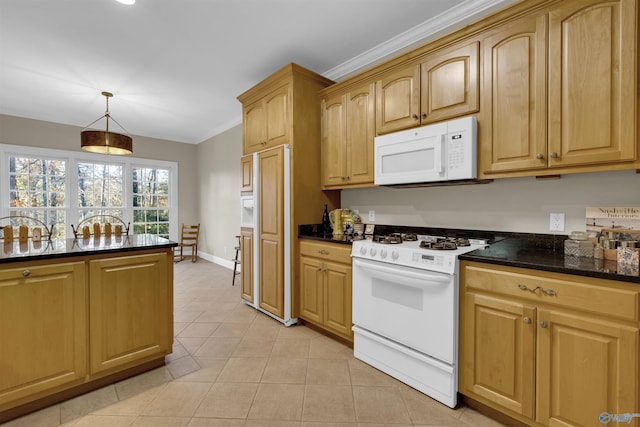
{"x": 150, "y": 192}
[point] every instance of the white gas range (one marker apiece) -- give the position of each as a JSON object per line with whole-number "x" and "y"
{"x": 405, "y": 309}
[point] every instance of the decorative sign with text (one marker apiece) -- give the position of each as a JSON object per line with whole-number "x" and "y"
{"x": 622, "y": 218}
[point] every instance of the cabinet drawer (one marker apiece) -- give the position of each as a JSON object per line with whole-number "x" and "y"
{"x": 600, "y": 296}
{"x": 330, "y": 251}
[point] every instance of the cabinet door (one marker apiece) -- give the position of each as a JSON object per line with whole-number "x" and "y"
{"x": 130, "y": 311}
{"x": 246, "y": 168}
{"x": 449, "y": 83}
{"x": 43, "y": 329}
{"x": 360, "y": 126}
{"x": 311, "y": 290}
{"x": 498, "y": 350}
{"x": 246, "y": 259}
{"x": 585, "y": 367}
{"x": 253, "y": 127}
{"x": 334, "y": 144}
{"x": 514, "y": 134}
{"x": 398, "y": 100}
{"x": 271, "y": 239}
{"x": 592, "y": 82}
{"x": 337, "y": 299}
{"x": 277, "y": 117}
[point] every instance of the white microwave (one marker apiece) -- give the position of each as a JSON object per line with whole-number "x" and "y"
{"x": 442, "y": 152}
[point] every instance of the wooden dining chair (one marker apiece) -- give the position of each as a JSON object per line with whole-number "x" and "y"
{"x": 188, "y": 239}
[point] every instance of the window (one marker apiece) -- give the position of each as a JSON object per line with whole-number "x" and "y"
{"x": 38, "y": 183}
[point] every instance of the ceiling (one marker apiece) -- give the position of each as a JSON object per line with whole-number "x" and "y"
{"x": 177, "y": 66}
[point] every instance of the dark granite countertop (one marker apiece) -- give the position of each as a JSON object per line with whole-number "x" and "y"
{"x": 31, "y": 251}
{"x": 542, "y": 252}
{"x": 315, "y": 232}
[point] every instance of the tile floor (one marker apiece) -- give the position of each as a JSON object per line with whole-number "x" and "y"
{"x": 233, "y": 366}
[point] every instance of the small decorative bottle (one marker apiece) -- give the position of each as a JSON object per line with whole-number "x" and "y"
{"x": 326, "y": 224}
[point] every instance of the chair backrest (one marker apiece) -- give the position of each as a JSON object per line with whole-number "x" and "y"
{"x": 190, "y": 234}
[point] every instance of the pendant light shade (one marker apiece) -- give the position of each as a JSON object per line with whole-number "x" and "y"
{"x": 106, "y": 142}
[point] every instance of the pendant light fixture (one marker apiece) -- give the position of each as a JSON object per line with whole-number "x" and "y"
{"x": 106, "y": 142}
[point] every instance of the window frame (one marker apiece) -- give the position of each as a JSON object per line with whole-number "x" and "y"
{"x": 71, "y": 185}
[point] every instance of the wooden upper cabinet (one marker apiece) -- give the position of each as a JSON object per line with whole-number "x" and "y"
{"x": 348, "y": 129}
{"x": 398, "y": 100}
{"x": 449, "y": 83}
{"x": 266, "y": 122}
{"x": 513, "y": 135}
{"x": 444, "y": 85}
{"x": 246, "y": 169}
{"x": 592, "y": 82}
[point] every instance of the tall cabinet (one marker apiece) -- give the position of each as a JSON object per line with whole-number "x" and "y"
{"x": 283, "y": 110}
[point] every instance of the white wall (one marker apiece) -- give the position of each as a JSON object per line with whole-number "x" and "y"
{"x": 509, "y": 204}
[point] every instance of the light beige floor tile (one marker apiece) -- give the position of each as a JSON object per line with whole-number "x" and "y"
{"x": 230, "y": 330}
{"x": 47, "y": 417}
{"x": 105, "y": 421}
{"x": 328, "y": 403}
{"x": 268, "y": 423}
{"x": 323, "y": 424}
{"x": 242, "y": 314}
{"x": 134, "y": 405}
{"x": 473, "y": 418}
{"x": 209, "y": 370}
{"x": 143, "y": 382}
{"x": 227, "y": 400}
{"x": 328, "y": 371}
{"x": 177, "y": 351}
{"x": 186, "y": 316}
{"x": 179, "y": 327}
{"x": 291, "y": 347}
{"x": 297, "y": 331}
{"x": 183, "y": 366}
{"x": 379, "y": 405}
{"x": 243, "y": 369}
{"x": 199, "y": 330}
{"x": 191, "y": 344}
{"x": 363, "y": 374}
{"x": 260, "y": 330}
{"x": 87, "y": 403}
{"x": 285, "y": 371}
{"x": 425, "y": 410}
{"x": 216, "y": 422}
{"x": 211, "y": 316}
{"x": 253, "y": 347}
{"x": 278, "y": 402}
{"x": 161, "y": 422}
{"x": 177, "y": 399}
{"x": 218, "y": 347}
{"x": 325, "y": 348}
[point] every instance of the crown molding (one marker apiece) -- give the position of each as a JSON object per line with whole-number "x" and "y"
{"x": 448, "y": 21}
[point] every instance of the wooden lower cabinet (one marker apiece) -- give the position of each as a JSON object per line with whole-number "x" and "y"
{"x": 325, "y": 286}
{"x": 246, "y": 253}
{"x": 129, "y": 311}
{"x": 43, "y": 330}
{"x": 545, "y": 358}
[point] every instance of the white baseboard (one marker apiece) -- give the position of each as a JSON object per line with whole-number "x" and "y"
{"x": 227, "y": 263}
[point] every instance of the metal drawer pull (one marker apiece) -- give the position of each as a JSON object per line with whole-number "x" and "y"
{"x": 526, "y": 288}
{"x": 543, "y": 324}
{"x": 550, "y": 292}
{"x": 527, "y": 320}
{"x": 25, "y": 273}
{"x": 323, "y": 252}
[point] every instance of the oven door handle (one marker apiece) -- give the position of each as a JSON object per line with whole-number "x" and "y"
{"x": 391, "y": 272}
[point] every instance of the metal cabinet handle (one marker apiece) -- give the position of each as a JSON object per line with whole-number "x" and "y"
{"x": 539, "y": 156}
{"x": 424, "y": 115}
{"x": 543, "y": 324}
{"x": 527, "y": 320}
{"x": 323, "y": 252}
{"x": 26, "y": 273}
{"x": 549, "y": 292}
{"x": 414, "y": 116}
{"x": 526, "y": 288}
{"x": 554, "y": 155}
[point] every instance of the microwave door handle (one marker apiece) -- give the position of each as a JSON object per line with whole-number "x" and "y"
{"x": 443, "y": 144}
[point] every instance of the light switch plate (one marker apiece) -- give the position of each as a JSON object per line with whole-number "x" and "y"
{"x": 372, "y": 216}
{"x": 556, "y": 222}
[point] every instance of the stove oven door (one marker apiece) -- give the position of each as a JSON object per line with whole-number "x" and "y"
{"x": 416, "y": 308}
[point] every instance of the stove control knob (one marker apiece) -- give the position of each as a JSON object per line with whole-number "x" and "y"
{"x": 372, "y": 251}
{"x": 383, "y": 253}
{"x": 363, "y": 250}
{"x": 395, "y": 255}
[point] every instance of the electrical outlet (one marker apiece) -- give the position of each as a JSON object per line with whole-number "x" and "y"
{"x": 372, "y": 216}
{"x": 556, "y": 222}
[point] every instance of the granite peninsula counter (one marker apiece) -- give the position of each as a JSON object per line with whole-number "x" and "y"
{"x": 78, "y": 314}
